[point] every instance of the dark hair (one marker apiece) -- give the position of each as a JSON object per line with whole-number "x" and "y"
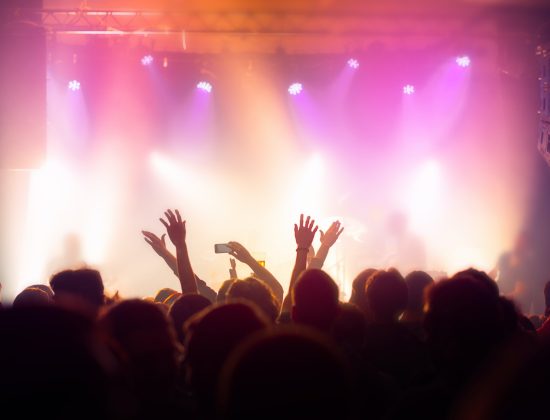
{"x": 184, "y": 308}
{"x": 417, "y": 281}
{"x": 315, "y": 298}
{"x": 386, "y": 294}
{"x": 164, "y": 294}
{"x": 256, "y": 291}
{"x": 84, "y": 283}
{"x": 298, "y": 366}
{"x": 211, "y": 335}
{"x": 31, "y": 297}
{"x": 222, "y": 292}
{"x": 358, "y": 288}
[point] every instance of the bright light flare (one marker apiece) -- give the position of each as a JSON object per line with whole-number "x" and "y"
{"x": 147, "y": 60}
{"x": 295, "y": 88}
{"x": 204, "y": 86}
{"x": 408, "y": 89}
{"x": 353, "y": 63}
{"x": 463, "y": 61}
{"x": 74, "y": 85}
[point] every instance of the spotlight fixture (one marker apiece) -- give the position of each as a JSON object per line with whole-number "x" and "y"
{"x": 295, "y": 88}
{"x": 204, "y": 86}
{"x": 353, "y": 63}
{"x": 463, "y": 61}
{"x": 74, "y": 85}
{"x": 408, "y": 89}
{"x": 147, "y": 60}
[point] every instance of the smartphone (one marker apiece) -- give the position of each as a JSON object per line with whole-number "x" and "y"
{"x": 222, "y": 248}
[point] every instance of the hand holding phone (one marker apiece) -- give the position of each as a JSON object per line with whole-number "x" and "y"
{"x": 222, "y": 249}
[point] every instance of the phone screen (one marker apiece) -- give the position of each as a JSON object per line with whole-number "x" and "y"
{"x": 222, "y": 248}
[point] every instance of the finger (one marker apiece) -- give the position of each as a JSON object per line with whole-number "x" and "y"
{"x": 307, "y": 221}
{"x": 310, "y": 226}
{"x": 151, "y": 236}
{"x": 164, "y": 223}
{"x": 314, "y": 230}
{"x": 322, "y": 233}
{"x": 339, "y": 232}
{"x": 178, "y": 216}
{"x": 295, "y": 228}
{"x": 301, "y": 220}
{"x": 171, "y": 215}
{"x": 148, "y": 241}
{"x": 163, "y": 239}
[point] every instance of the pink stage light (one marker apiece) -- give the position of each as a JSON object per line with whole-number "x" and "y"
{"x": 74, "y": 85}
{"x": 408, "y": 89}
{"x": 463, "y": 61}
{"x": 147, "y": 60}
{"x": 205, "y": 86}
{"x": 353, "y": 63}
{"x": 295, "y": 88}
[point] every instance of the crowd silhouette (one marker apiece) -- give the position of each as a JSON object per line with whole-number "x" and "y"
{"x": 404, "y": 346}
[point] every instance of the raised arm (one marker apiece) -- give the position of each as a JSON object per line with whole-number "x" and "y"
{"x": 242, "y": 254}
{"x": 175, "y": 228}
{"x": 304, "y": 234}
{"x": 328, "y": 239}
{"x": 159, "y": 246}
{"x": 233, "y": 269}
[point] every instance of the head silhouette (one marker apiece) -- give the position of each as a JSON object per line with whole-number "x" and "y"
{"x": 211, "y": 335}
{"x": 256, "y": 291}
{"x": 386, "y": 295}
{"x": 184, "y": 308}
{"x": 292, "y": 372}
{"x": 315, "y": 300}
{"x": 358, "y": 288}
{"x": 84, "y": 285}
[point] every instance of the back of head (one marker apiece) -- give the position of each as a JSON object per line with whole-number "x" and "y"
{"x": 84, "y": 284}
{"x": 184, "y": 308}
{"x": 386, "y": 294}
{"x": 417, "y": 282}
{"x": 222, "y": 292}
{"x": 44, "y": 287}
{"x": 292, "y": 372}
{"x": 464, "y": 321}
{"x": 211, "y": 335}
{"x": 31, "y": 297}
{"x": 145, "y": 335}
{"x": 256, "y": 291}
{"x": 481, "y": 278}
{"x": 164, "y": 294}
{"x": 315, "y": 299}
{"x": 358, "y": 288}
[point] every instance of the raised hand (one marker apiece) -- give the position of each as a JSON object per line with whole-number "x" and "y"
{"x": 305, "y": 232}
{"x": 233, "y": 269}
{"x": 158, "y": 244}
{"x": 332, "y": 234}
{"x": 175, "y": 228}
{"x": 240, "y": 253}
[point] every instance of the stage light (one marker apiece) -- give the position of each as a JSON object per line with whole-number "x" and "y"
{"x": 165, "y": 62}
{"x": 463, "y": 61}
{"x": 408, "y": 89}
{"x": 74, "y": 85}
{"x": 147, "y": 60}
{"x": 295, "y": 88}
{"x": 205, "y": 86}
{"x": 353, "y": 63}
